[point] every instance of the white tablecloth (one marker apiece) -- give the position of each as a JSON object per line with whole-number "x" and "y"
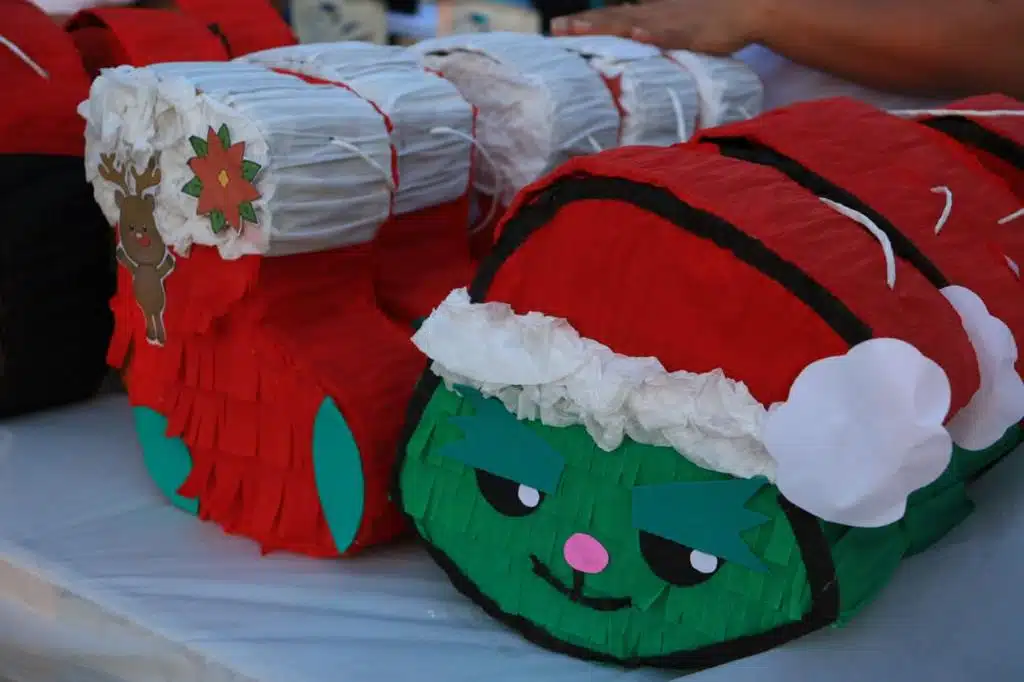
{"x": 101, "y": 581}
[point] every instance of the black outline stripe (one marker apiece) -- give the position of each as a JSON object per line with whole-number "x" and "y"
{"x": 752, "y": 151}
{"x": 973, "y": 134}
{"x": 813, "y": 544}
{"x": 543, "y": 205}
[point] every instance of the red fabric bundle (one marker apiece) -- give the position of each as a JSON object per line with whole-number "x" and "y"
{"x": 247, "y": 25}
{"x": 927, "y": 198}
{"x": 719, "y": 272}
{"x": 55, "y": 266}
{"x": 998, "y": 141}
{"x": 113, "y": 36}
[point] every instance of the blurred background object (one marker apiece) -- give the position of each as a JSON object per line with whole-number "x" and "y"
{"x": 324, "y": 21}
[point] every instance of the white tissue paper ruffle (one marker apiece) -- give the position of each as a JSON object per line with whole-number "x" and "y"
{"x": 315, "y": 195}
{"x": 433, "y": 162}
{"x": 658, "y": 97}
{"x": 541, "y": 368}
{"x": 729, "y": 90}
{"x": 539, "y": 105}
{"x": 999, "y": 402}
{"x": 860, "y": 432}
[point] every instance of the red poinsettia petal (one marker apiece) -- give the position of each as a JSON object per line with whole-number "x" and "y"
{"x": 235, "y": 154}
{"x": 232, "y": 215}
{"x": 210, "y": 199}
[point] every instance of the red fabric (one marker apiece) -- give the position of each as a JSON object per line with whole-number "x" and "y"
{"x": 112, "y": 36}
{"x": 254, "y": 346}
{"x": 41, "y": 117}
{"x": 644, "y": 286}
{"x": 892, "y": 164}
{"x": 1011, "y": 237}
{"x": 248, "y": 25}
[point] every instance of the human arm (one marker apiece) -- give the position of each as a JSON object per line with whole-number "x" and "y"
{"x": 925, "y": 47}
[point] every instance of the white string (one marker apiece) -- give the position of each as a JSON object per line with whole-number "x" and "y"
{"x": 946, "y": 210}
{"x": 677, "y": 109}
{"x": 869, "y": 225}
{"x": 348, "y": 146}
{"x": 499, "y": 181}
{"x": 20, "y": 54}
{"x": 968, "y": 113}
{"x": 1013, "y": 216}
{"x": 1013, "y": 266}
{"x": 594, "y": 144}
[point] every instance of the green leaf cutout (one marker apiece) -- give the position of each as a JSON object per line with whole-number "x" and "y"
{"x": 194, "y": 187}
{"x": 217, "y": 221}
{"x": 250, "y": 169}
{"x": 225, "y": 135}
{"x": 247, "y": 212}
{"x": 199, "y": 146}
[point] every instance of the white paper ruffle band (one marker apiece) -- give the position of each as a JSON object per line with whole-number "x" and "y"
{"x": 857, "y": 435}
{"x": 324, "y": 153}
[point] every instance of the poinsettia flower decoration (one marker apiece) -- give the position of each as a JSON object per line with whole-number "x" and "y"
{"x": 223, "y": 181}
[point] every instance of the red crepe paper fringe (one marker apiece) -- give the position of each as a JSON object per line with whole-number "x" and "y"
{"x": 254, "y": 346}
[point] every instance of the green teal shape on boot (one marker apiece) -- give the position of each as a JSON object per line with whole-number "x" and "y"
{"x": 167, "y": 459}
{"x": 339, "y": 475}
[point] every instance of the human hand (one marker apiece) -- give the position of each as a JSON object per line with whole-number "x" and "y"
{"x": 717, "y": 27}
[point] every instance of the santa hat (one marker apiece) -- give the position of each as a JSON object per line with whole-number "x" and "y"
{"x": 703, "y": 327}
{"x": 55, "y": 269}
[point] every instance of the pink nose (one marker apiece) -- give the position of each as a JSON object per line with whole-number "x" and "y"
{"x": 585, "y": 554}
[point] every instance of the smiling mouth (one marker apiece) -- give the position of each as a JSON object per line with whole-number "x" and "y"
{"x": 575, "y": 593}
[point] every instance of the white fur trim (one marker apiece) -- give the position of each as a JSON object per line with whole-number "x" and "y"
{"x": 999, "y": 402}
{"x": 858, "y": 433}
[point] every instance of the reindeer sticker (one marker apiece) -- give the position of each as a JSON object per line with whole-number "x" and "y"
{"x": 140, "y": 248}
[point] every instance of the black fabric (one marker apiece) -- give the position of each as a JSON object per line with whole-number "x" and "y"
{"x": 56, "y": 279}
{"x": 973, "y": 135}
{"x": 751, "y": 151}
{"x": 808, "y": 530}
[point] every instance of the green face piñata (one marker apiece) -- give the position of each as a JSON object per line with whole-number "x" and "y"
{"x": 632, "y": 555}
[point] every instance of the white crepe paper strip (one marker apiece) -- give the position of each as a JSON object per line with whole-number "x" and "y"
{"x": 859, "y": 433}
{"x": 999, "y": 402}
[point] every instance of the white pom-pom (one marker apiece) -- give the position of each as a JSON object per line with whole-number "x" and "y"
{"x": 999, "y": 401}
{"x": 861, "y": 432}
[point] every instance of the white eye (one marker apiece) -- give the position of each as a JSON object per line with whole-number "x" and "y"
{"x": 528, "y": 496}
{"x": 703, "y": 563}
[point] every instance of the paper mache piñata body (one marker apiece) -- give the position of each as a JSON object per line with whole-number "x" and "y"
{"x": 703, "y": 400}
{"x": 543, "y": 101}
{"x": 268, "y": 385}
{"x": 56, "y": 272}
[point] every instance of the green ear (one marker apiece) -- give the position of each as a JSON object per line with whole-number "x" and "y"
{"x": 167, "y": 459}
{"x": 339, "y": 474}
